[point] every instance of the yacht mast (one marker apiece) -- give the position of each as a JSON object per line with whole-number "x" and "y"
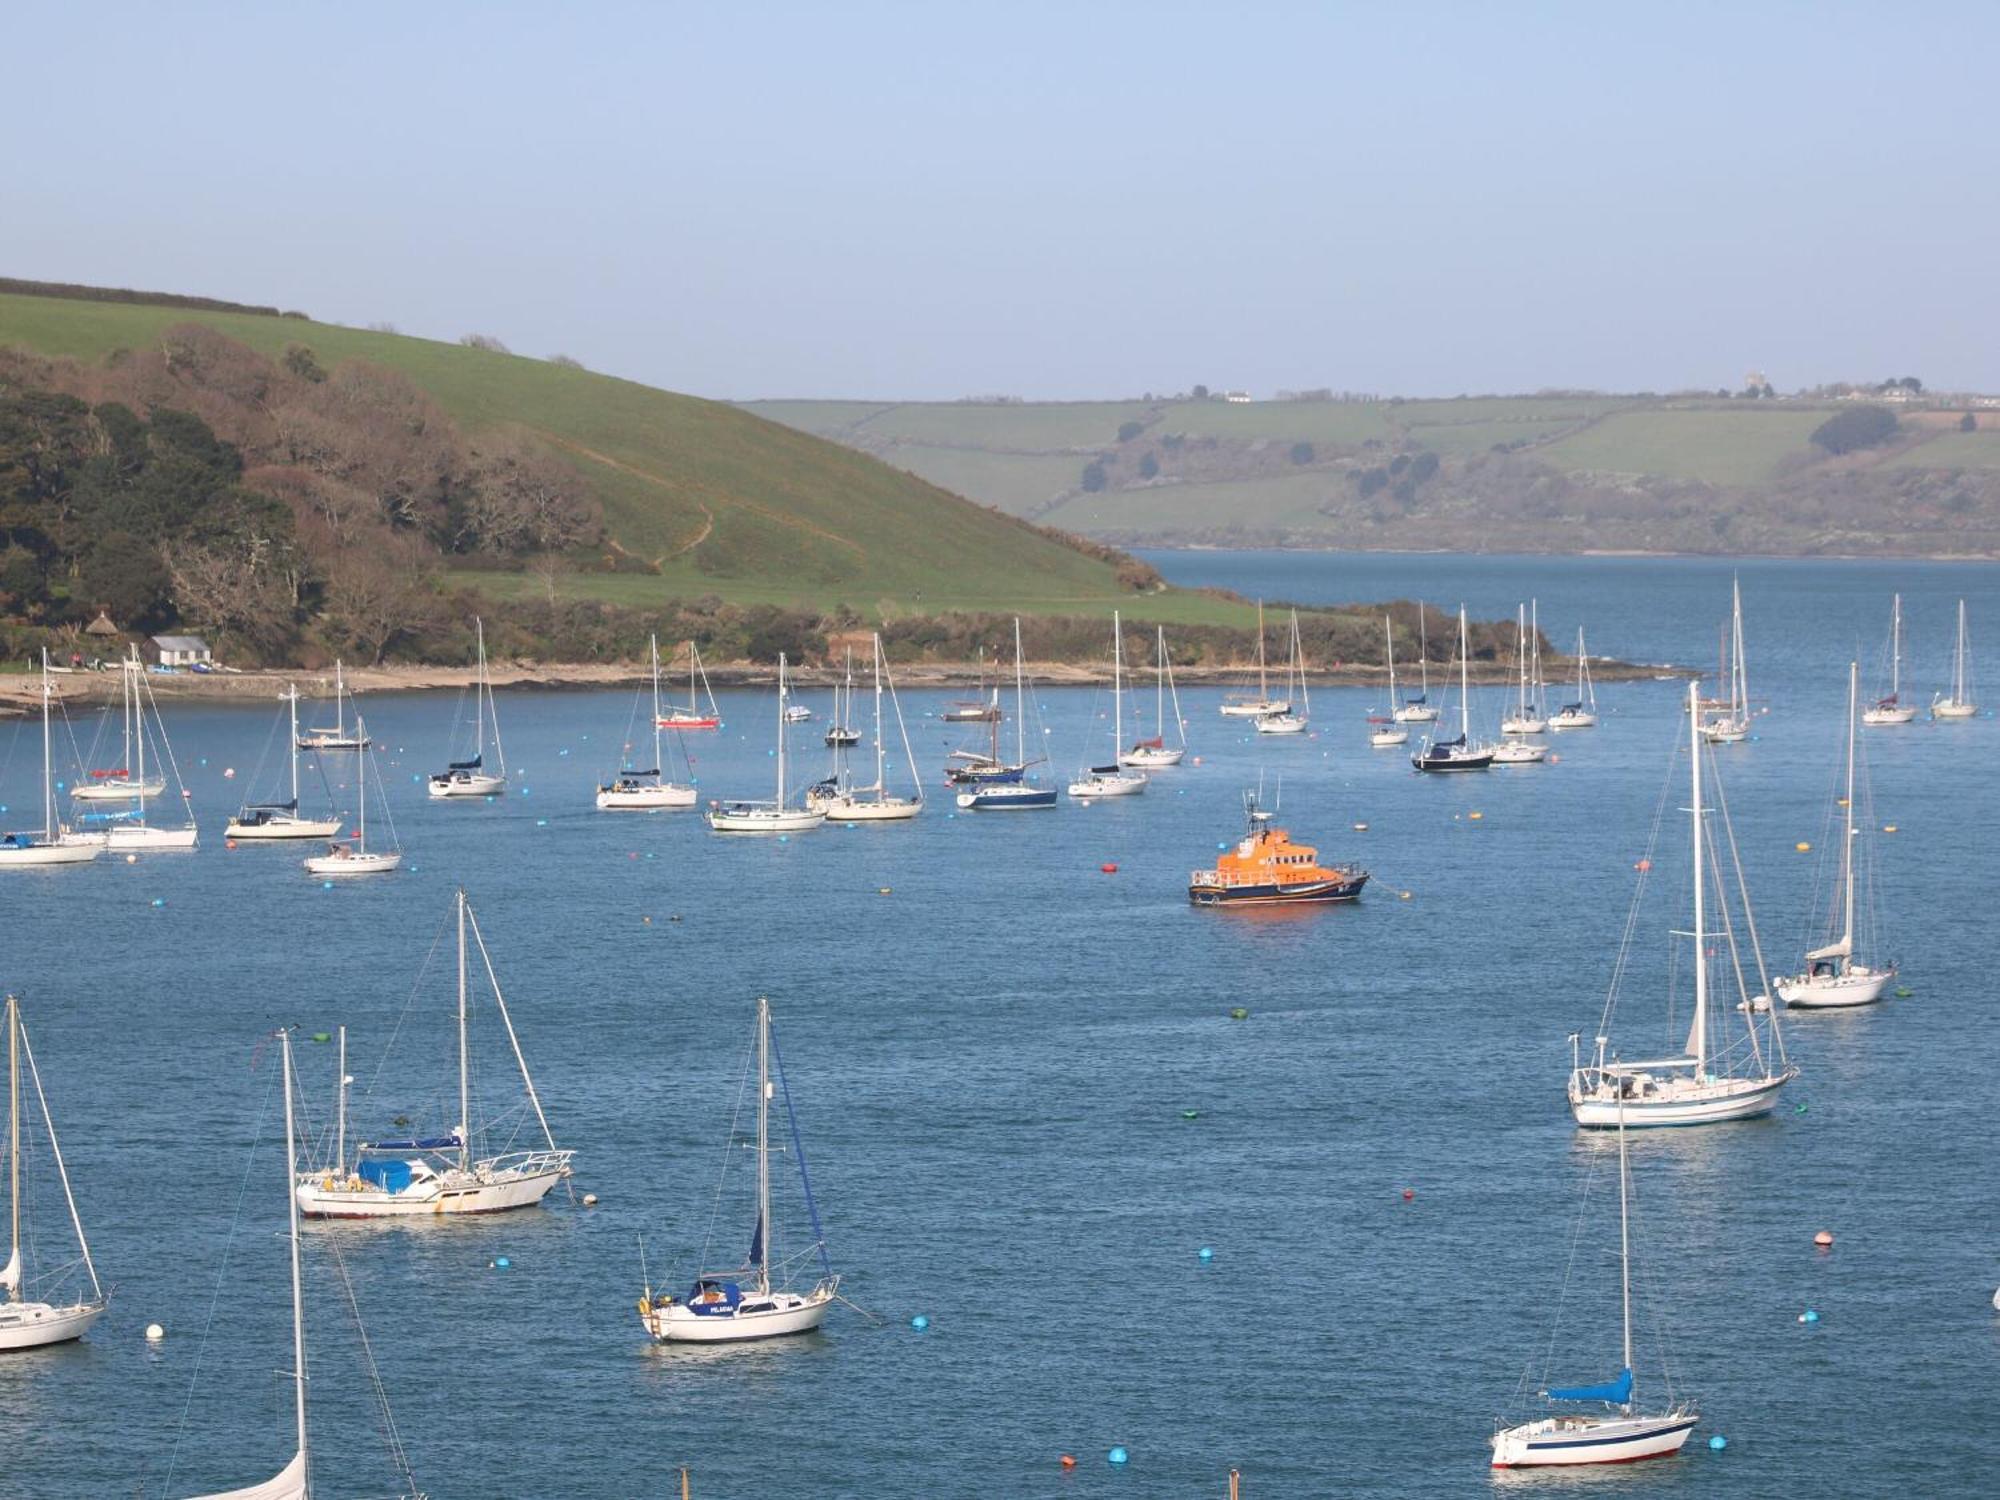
{"x": 48, "y": 759}
{"x": 763, "y": 1266}
{"x": 1389, "y": 641}
{"x": 292, "y": 1205}
{"x": 1464, "y": 685}
{"x": 1117, "y": 687}
{"x": 12, "y": 1275}
{"x": 653, "y": 648}
{"x": 464, "y": 1078}
{"x": 1624, "y": 1238}
{"x": 881, "y": 777}
{"x": 781, "y": 730}
{"x": 1021, "y": 701}
{"x": 340, "y": 1109}
{"x": 1521, "y": 655}
{"x": 1847, "y": 807}
{"x": 1699, "y": 1036}
{"x": 1896, "y": 646}
{"x": 1958, "y": 659}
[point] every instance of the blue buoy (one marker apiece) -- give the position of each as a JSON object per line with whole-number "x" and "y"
{"x": 920, "y": 1322}
{"x": 784, "y": 838}
{"x": 1718, "y": 1443}
{"x": 1205, "y": 1253}
{"x": 541, "y": 822}
{"x": 1809, "y": 1316}
{"x": 1116, "y": 1455}
{"x": 159, "y": 901}
{"x": 326, "y": 885}
{"x": 502, "y": 1263}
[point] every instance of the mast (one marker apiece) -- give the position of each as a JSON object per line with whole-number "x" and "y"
{"x": 1699, "y": 1036}
{"x": 881, "y": 775}
{"x": 1160, "y": 689}
{"x": 292, "y": 1207}
{"x": 1117, "y": 686}
{"x": 1389, "y": 642}
{"x": 1263, "y": 689}
{"x": 1299, "y": 662}
{"x": 1535, "y": 646}
{"x": 1021, "y": 700}
{"x": 137, "y": 721}
{"x": 1896, "y": 646}
{"x": 464, "y": 1077}
{"x": 653, "y": 647}
{"x": 292, "y": 703}
{"x": 339, "y": 703}
{"x": 1423, "y": 654}
{"x": 781, "y": 729}
{"x": 55, "y": 1150}
{"x": 340, "y": 1107}
{"x": 1958, "y": 659}
{"x": 360, "y": 796}
{"x": 48, "y": 759}
{"x": 1847, "y": 806}
{"x": 763, "y": 1267}
{"x": 13, "y": 1276}
{"x": 1624, "y": 1238}
{"x": 1739, "y": 681}
{"x": 1464, "y": 685}
{"x": 1521, "y": 656}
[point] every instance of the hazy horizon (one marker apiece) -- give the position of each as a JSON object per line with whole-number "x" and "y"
{"x": 901, "y": 203}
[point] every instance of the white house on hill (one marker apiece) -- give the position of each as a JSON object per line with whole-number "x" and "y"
{"x": 179, "y": 650}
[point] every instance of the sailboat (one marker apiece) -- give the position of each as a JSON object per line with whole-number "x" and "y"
{"x": 649, "y": 790}
{"x": 755, "y": 1300}
{"x": 982, "y": 709}
{"x": 32, "y": 1322}
{"x": 1527, "y": 715}
{"x": 1011, "y": 791}
{"x": 840, "y": 731}
{"x": 295, "y": 1480}
{"x": 1285, "y": 720}
{"x": 1892, "y": 709}
{"x": 1458, "y": 754}
{"x": 691, "y": 715}
{"x": 844, "y": 802}
{"x": 438, "y": 1174}
{"x": 1526, "y": 718}
{"x": 53, "y": 844}
{"x": 1152, "y": 754}
{"x": 1728, "y": 723}
{"x": 131, "y": 829}
{"x": 1247, "y": 706}
{"x": 336, "y": 737}
{"x": 1113, "y": 780}
{"x": 1958, "y": 703}
{"x": 1388, "y": 732}
{"x": 1833, "y": 977}
{"x": 777, "y": 815}
{"x": 1618, "y": 1431}
{"x": 268, "y": 821}
{"x": 357, "y": 858}
{"x": 470, "y": 778}
{"x": 1582, "y": 714}
{"x": 1420, "y": 709}
{"x": 1707, "y": 1082}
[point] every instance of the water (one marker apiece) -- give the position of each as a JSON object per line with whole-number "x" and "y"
{"x": 992, "y": 1063}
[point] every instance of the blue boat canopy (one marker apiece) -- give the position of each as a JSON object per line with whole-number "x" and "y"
{"x": 429, "y": 1143}
{"x": 1616, "y": 1392}
{"x": 468, "y": 765}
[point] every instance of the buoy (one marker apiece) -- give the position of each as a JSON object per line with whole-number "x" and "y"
{"x": 154, "y": 1333}
{"x": 1803, "y": 847}
{"x": 1402, "y": 895}
{"x": 1240, "y": 1013}
{"x": 326, "y": 885}
{"x": 1190, "y": 1114}
{"x": 1116, "y": 1455}
{"x": 229, "y": 843}
{"x": 1824, "y": 1239}
{"x": 1408, "y": 1194}
{"x": 1475, "y": 816}
{"x": 541, "y": 822}
{"x": 1108, "y": 868}
{"x": 1197, "y": 760}
{"x": 1644, "y": 864}
{"x": 501, "y": 1263}
{"x": 229, "y": 773}
{"x": 920, "y": 1322}
{"x": 131, "y": 859}
{"x": 159, "y": 901}
{"x": 1809, "y": 1316}
{"x": 1888, "y": 827}
{"x": 1718, "y": 1443}
{"x": 647, "y": 920}
{"x": 1205, "y": 1253}
{"x": 1360, "y": 827}
{"x": 881, "y": 890}
{"x": 1903, "y": 992}
{"x": 1068, "y": 1461}
{"x": 590, "y": 1200}
{"x": 322, "y": 1036}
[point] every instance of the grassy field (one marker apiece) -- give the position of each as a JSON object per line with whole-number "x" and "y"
{"x": 1019, "y": 483}
{"x": 1281, "y": 501}
{"x": 1953, "y": 450}
{"x": 1731, "y": 447}
{"x": 1021, "y": 428}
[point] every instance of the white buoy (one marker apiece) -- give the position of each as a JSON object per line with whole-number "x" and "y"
{"x": 154, "y": 1333}
{"x": 590, "y": 1200}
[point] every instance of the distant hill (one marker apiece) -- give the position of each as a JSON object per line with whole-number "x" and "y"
{"x": 1549, "y": 473}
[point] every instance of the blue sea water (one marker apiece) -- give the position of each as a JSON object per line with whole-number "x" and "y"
{"x": 993, "y": 1064}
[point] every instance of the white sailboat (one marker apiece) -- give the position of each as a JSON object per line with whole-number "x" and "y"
{"x": 1958, "y": 703}
{"x": 336, "y": 736}
{"x": 1526, "y": 717}
{"x": 1114, "y": 779}
{"x": 1618, "y": 1430}
{"x": 1833, "y": 977}
{"x": 778, "y": 815}
{"x": 133, "y": 829}
{"x": 263, "y": 822}
{"x": 128, "y": 781}
{"x": 691, "y": 715}
{"x": 1155, "y": 753}
{"x": 840, "y": 731}
{"x": 1735, "y": 1080}
{"x": 470, "y": 778}
{"x": 1729, "y": 723}
{"x": 357, "y": 858}
{"x": 31, "y": 1322}
{"x": 841, "y": 800}
{"x": 1288, "y": 720}
{"x": 1388, "y": 731}
{"x": 426, "y": 1176}
{"x": 1261, "y": 703}
{"x": 1459, "y": 754}
{"x": 755, "y": 1300}
{"x": 53, "y": 843}
{"x": 1582, "y": 714}
{"x": 1420, "y": 709}
{"x": 1006, "y": 788}
{"x": 1892, "y": 709}
{"x": 648, "y": 790}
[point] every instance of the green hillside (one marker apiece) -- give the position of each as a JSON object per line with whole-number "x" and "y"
{"x": 699, "y": 497}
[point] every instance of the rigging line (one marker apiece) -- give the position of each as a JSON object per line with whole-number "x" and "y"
{"x": 1623, "y": 959}
{"x": 398, "y": 1454}
{"x": 166, "y": 746}
{"x": 1750, "y": 926}
{"x": 408, "y": 1000}
{"x": 1521, "y": 1391}
{"x": 1728, "y": 934}
{"x": 500, "y": 1002}
{"x": 55, "y": 1150}
{"x": 728, "y": 1144}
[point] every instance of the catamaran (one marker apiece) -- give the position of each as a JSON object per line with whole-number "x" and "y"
{"x": 470, "y": 778}
{"x": 1727, "y": 722}
{"x": 649, "y": 790}
{"x": 844, "y": 802}
{"x": 53, "y": 843}
{"x": 1526, "y": 718}
{"x": 1009, "y": 790}
{"x": 132, "y": 828}
{"x": 691, "y": 715}
{"x": 1958, "y": 703}
{"x": 1706, "y": 1083}
{"x": 264, "y": 822}
{"x": 1603, "y": 1423}
{"x": 426, "y": 1175}
{"x": 1113, "y": 780}
{"x": 1833, "y": 977}
{"x": 1459, "y": 754}
{"x": 1892, "y": 709}
{"x": 1387, "y": 732}
{"x": 357, "y": 858}
{"x": 1285, "y": 720}
{"x": 1420, "y": 709}
{"x": 1582, "y": 714}
{"x": 336, "y": 737}
{"x": 1261, "y": 704}
{"x": 755, "y": 1300}
{"x": 1155, "y": 753}
{"x": 778, "y": 815}
{"x": 31, "y": 1322}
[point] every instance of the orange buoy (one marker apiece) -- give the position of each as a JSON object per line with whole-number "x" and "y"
{"x": 1067, "y": 1461}
{"x": 1644, "y": 864}
{"x": 1108, "y": 868}
{"x": 229, "y": 843}
{"x": 1475, "y": 816}
{"x": 1824, "y": 1239}
{"x": 1888, "y": 827}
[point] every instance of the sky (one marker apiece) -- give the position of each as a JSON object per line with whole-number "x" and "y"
{"x": 930, "y": 201}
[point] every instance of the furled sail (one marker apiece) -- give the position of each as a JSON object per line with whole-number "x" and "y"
{"x": 1617, "y": 1392}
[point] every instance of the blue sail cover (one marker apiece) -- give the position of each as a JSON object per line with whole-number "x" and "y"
{"x": 467, "y": 765}
{"x": 1616, "y": 1392}
{"x": 428, "y": 1143}
{"x": 756, "y": 1246}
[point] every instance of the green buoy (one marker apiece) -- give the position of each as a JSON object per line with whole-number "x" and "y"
{"x": 322, "y": 1036}
{"x": 1241, "y": 1013}
{"x": 1190, "y": 1114}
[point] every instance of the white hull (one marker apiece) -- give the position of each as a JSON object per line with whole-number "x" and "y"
{"x": 1591, "y": 1439}
{"x": 645, "y": 798}
{"x": 789, "y": 1312}
{"x": 467, "y": 786}
{"x": 1281, "y": 724}
{"x": 1107, "y": 786}
{"x": 34, "y": 1325}
{"x": 326, "y": 1196}
{"x": 1677, "y": 1100}
{"x": 353, "y": 863}
{"x": 1515, "y": 753}
{"x": 763, "y": 819}
{"x": 142, "y": 837}
{"x": 1573, "y": 721}
{"x": 1726, "y": 731}
{"x": 1151, "y": 760}
{"x": 1877, "y": 718}
{"x": 1523, "y": 726}
{"x": 61, "y": 853}
{"x": 121, "y": 790}
{"x": 1860, "y": 985}
{"x": 1422, "y": 714}
{"x": 1262, "y": 708}
{"x": 331, "y": 742}
{"x": 1383, "y": 739}
{"x": 850, "y": 808}
{"x": 283, "y": 828}
{"x": 1947, "y": 708}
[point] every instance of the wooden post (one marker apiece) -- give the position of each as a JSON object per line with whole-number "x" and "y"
{"x": 1234, "y": 1477}
{"x": 684, "y": 1482}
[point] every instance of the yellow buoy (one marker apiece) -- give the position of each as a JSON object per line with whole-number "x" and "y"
{"x": 1803, "y": 847}
{"x": 1888, "y": 827}
{"x": 1405, "y": 895}
{"x": 1475, "y": 816}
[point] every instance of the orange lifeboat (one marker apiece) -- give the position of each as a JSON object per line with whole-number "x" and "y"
{"x": 1265, "y": 868}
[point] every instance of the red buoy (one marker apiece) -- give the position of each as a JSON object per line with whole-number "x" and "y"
{"x": 1108, "y": 868}
{"x": 1068, "y": 1462}
{"x": 1408, "y": 1194}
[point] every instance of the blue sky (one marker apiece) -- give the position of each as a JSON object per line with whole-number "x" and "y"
{"x": 1048, "y": 200}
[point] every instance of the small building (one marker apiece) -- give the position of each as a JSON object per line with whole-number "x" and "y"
{"x": 179, "y": 651}
{"x": 101, "y": 628}
{"x": 1236, "y": 398}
